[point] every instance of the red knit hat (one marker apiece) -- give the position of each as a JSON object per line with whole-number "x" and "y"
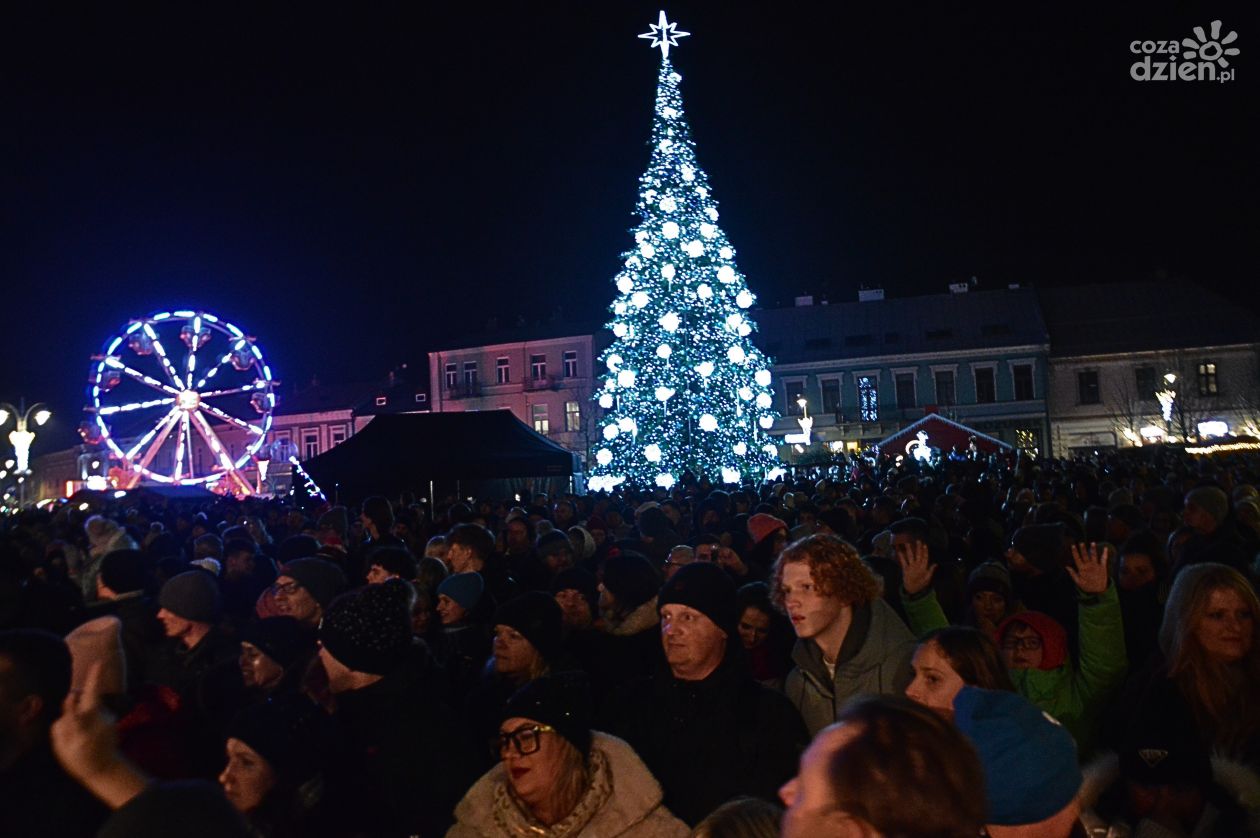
{"x": 1054, "y": 649}
{"x": 762, "y": 525}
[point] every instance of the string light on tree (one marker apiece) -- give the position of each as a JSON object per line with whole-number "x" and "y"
{"x": 682, "y": 363}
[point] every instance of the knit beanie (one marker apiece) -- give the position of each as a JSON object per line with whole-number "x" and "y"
{"x": 296, "y": 547}
{"x": 763, "y": 525}
{"x": 555, "y": 541}
{"x": 1211, "y": 500}
{"x": 321, "y": 578}
{"x": 192, "y": 595}
{"x": 707, "y": 588}
{"x": 1029, "y": 759}
{"x": 1054, "y": 648}
{"x": 122, "y": 571}
{"x": 655, "y": 524}
{"x": 288, "y": 731}
{"x": 990, "y": 576}
{"x": 631, "y": 578}
{"x": 1043, "y": 545}
{"x": 537, "y": 617}
{"x": 369, "y": 630}
{"x": 98, "y": 642}
{"x": 283, "y": 639}
{"x": 580, "y": 580}
{"x": 562, "y": 701}
{"x": 464, "y": 588}
{"x": 337, "y": 520}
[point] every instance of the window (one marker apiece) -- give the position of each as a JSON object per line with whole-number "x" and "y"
{"x": 336, "y": 435}
{"x": 1023, "y": 377}
{"x": 452, "y": 376}
{"x": 1144, "y": 382}
{"x": 792, "y": 392}
{"x": 868, "y": 398}
{"x": 421, "y": 398}
{"x": 310, "y": 443}
{"x": 470, "y": 374}
{"x": 1207, "y": 379}
{"x": 572, "y": 416}
{"x": 502, "y": 371}
{"x": 905, "y": 390}
{"x": 537, "y": 367}
{"x": 381, "y": 401}
{"x": 570, "y": 363}
{"x": 944, "y": 387}
{"x": 831, "y": 395}
{"x": 986, "y": 387}
{"x": 538, "y": 413}
{"x": 1087, "y": 387}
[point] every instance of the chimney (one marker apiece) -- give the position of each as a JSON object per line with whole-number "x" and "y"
{"x": 870, "y": 295}
{"x": 805, "y": 300}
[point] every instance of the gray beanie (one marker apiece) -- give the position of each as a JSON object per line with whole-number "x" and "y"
{"x": 193, "y": 595}
{"x": 1211, "y": 500}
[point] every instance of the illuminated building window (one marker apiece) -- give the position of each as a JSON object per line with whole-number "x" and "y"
{"x": 1207, "y": 379}
{"x": 868, "y": 398}
{"x": 572, "y": 416}
{"x": 539, "y": 414}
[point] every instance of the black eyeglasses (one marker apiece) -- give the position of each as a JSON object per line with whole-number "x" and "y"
{"x": 524, "y": 739}
{"x": 1028, "y": 644}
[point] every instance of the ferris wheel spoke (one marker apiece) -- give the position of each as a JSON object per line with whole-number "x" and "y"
{"x": 212, "y": 439}
{"x": 232, "y": 391}
{"x": 127, "y": 408}
{"x": 213, "y": 371}
{"x": 230, "y": 419}
{"x": 147, "y": 380}
{"x": 161, "y": 430}
{"x": 160, "y": 351}
{"x": 181, "y": 440}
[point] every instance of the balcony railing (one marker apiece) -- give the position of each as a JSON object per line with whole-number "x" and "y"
{"x": 463, "y": 391}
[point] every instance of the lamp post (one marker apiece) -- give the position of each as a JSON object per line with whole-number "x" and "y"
{"x": 22, "y": 436}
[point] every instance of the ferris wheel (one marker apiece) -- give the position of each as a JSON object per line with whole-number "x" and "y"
{"x": 182, "y": 398}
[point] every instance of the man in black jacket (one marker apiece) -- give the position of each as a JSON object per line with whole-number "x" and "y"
{"x": 705, "y": 728}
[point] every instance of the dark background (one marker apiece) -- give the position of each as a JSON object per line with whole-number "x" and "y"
{"x": 356, "y": 186}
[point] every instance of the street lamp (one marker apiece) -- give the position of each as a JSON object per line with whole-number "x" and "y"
{"x": 22, "y": 436}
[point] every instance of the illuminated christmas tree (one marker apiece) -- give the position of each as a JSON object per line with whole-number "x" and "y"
{"x": 685, "y": 389}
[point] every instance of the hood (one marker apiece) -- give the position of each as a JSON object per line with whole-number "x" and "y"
{"x": 1054, "y": 648}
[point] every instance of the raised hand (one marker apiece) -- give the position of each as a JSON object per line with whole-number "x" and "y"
{"x": 916, "y": 570}
{"x": 85, "y": 744}
{"x": 1090, "y": 573}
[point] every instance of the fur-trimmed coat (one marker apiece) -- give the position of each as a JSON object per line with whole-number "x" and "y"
{"x": 622, "y": 801}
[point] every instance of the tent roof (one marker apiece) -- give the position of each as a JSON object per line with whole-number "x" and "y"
{"x": 941, "y": 433}
{"x": 404, "y": 450}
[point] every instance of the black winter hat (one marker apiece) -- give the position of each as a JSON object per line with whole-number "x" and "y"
{"x": 323, "y": 579}
{"x": 123, "y": 571}
{"x": 192, "y": 595}
{"x": 631, "y": 578}
{"x": 288, "y": 731}
{"x": 556, "y": 541}
{"x": 580, "y": 580}
{"x": 296, "y": 547}
{"x": 537, "y": 617}
{"x": 707, "y": 588}
{"x": 562, "y": 701}
{"x": 1043, "y": 545}
{"x": 283, "y": 639}
{"x": 369, "y": 630}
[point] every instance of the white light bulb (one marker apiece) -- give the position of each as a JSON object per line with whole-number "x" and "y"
{"x": 775, "y": 473}
{"x": 606, "y": 401}
{"x": 669, "y": 113}
{"x": 688, "y": 173}
{"x": 666, "y": 144}
{"x": 619, "y": 308}
{"x": 633, "y": 262}
{"x": 668, "y": 204}
{"x": 610, "y": 432}
{"x": 613, "y": 362}
{"x": 669, "y": 230}
{"x": 610, "y": 384}
{"x": 746, "y": 393}
{"x": 640, "y": 236}
{"x": 712, "y": 213}
{"x": 652, "y": 453}
{"x": 603, "y": 456}
{"x": 708, "y": 422}
{"x": 726, "y": 253}
{"x": 744, "y": 299}
{"x": 771, "y": 449}
{"x": 726, "y": 273}
{"x": 695, "y": 249}
{"x": 625, "y": 378}
{"x": 626, "y": 424}
{"x": 620, "y": 329}
{"x": 667, "y": 271}
{"x": 764, "y": 401}
{"x": 705, "y": 369}
{"x": 733, "y": 320}
{"x": 765, "y": 422}
{"x": 647, "y": 250}
{"x": 639, "y": 299}
{"x": 704, "y": 291}
{"x": 730, "y": 475}
{"x": 664, "y": 394}
{"x": 762, "y": 377}
{"x": 740, "y": 449}
{"x": 736, "y": 355}
{"x": 665, "y": 481}
{"x": 625, "y": 284}
{"x": 708, "y": 231}
{"x": 670, "y": 322}
{"x": 702, "y": 192}
{"x": 663, "y": 351}
{"x": 744, "y": 330}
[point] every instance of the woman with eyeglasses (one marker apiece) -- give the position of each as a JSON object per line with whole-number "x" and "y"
{"x": 557, "y": 778}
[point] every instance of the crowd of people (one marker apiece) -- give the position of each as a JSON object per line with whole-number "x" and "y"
{"x": 977, "y": 647}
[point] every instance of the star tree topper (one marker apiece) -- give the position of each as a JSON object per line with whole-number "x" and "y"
{"x": 664, "y": 35}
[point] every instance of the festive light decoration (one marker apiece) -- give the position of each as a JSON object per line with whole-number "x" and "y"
{"x": 312, "y": 488}
{"x": 682, "y": 361}
{"x": 918, "y": 447}
{"x": 221, "y": 387}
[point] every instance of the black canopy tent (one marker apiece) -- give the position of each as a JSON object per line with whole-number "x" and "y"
{"x": 408, "y": 451}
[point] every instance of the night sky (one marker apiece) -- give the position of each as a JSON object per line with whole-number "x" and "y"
{"x": 357, "y": 186}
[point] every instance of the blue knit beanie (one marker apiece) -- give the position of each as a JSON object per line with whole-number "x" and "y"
{"x": 464, "y": 588}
